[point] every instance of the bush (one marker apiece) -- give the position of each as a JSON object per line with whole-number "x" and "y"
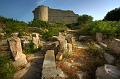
{"x": 29, "y": 49}
{"x": 95, "y": 51}
{"x": 105, "y": 27}
{"x": 7, "y": 70}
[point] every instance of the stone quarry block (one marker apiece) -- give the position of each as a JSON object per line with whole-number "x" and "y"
{"x": 69, "y": 46}
{"x": 108, "y": 72}
{"x": 115, "y": 45}
{"x": 16, "y": 49}
{"x": 69, "y": 38}
{"x": 109, "y": 58}
{"x": 99, "y": 37}
{"x": 50, "y": 71}
{"x": 49, "y": 65}
{"x": 63, "y": 43}
{"x": 59, "y": 56}
{"x": 36, "y": 40}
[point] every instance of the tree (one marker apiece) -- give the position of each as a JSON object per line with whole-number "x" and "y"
{"x": 84, "y": 20}
{"x": 113, "y": 15}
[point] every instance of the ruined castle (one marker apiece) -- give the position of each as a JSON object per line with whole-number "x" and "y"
{"x": 44, "y": 13}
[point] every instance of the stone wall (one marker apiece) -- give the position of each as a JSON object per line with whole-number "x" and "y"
{"x": 55, "y": 15}
{"x": 62, "y": 16}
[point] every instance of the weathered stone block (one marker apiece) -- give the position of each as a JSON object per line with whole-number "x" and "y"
{"x": 108, "y": 72}
{"x": 16, "y": 49}
{"x": 36, "y": 40}
{"x": 99, "y": 37}
{"x": 69, "y": 46}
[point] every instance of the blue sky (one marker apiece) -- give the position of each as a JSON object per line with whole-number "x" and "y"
{"x": 22, "y": 9}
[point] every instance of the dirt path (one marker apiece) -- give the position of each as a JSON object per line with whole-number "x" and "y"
{"x": 34, "y": 68}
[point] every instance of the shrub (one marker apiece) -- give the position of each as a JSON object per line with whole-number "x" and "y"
{"x": 105, "y": 27}
{"x": 29, "y": 48}
{"x": 94, "y": 51}
{"x": 6, "y": 68}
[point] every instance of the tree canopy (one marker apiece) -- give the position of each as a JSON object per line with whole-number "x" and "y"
{"x": 84, "y": 20}
{"x": 113, "y": 15}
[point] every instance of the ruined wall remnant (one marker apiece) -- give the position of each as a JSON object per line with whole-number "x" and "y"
{"x": 45, "y": 13}
{"x": 16, "y": 49}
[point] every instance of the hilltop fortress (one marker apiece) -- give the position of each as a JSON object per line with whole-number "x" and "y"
{"x": 45, "y": 13}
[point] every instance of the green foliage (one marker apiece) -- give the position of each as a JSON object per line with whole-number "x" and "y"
{"x": 47, "y": 30}
{"x": 29, "y": 48}
{"x": 52, "y": 30}
{"x": 6, "y": 68}
{"x": 94, "y": 51}
{"x": 106, "y": 27}
{"x": 12, "y": 25}
{"x": 38, "y": 23}
{"x": 85, "y": 20}
{"x": 44, "y": 28}
{"x": 113, "y": 15}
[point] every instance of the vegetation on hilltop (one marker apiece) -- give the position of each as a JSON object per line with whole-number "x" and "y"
{"x": 113, "y": 15}
{"x": 106, "y": 27}
{"x": 11, "y": 25}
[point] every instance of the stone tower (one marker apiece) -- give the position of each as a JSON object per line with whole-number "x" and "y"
{"x": 41, "y": 13}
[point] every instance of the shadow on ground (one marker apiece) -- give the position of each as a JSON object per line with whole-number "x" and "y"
{"x": 35, "y": 69}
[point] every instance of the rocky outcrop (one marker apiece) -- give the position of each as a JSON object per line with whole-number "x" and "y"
{"x": 108, "y": 72}
{"x": 16, "y": 49}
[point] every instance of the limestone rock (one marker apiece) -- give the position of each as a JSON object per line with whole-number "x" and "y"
{"x": 69, "y": 46}
{"x": 61, "y": 73}
{"x": 69, "y": 38}
{"x": 15, "y": 34}
{"x": 99, "y": 37}
{"x": 109, "y": 58}
{"x": 82, "y": 75}
{"x": 83, "y": 38}
{"x": 115, "y": 45}
{"x": 36, "y": 40}
{"x": 108, "y": 72}
{"x": 59, "y": 56}
{"x": 16, "y": 49}
{"x": 49, "y": 65}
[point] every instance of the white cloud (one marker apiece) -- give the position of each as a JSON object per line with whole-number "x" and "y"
{"x": 39, "y": 2}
